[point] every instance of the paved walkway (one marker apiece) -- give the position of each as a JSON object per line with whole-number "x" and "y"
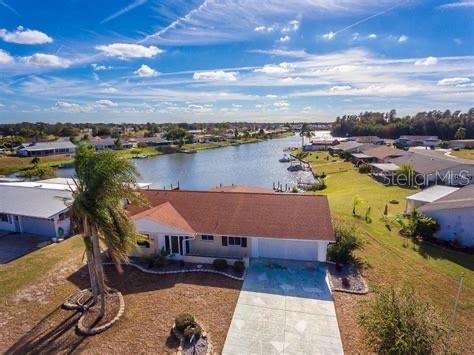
{"x": 284, "y": 308}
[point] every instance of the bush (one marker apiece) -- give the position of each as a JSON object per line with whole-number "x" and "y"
{"x": 426, "y": 226}
{"x": 183, "y": 321}
{"x": 219, "y": 264}
{"x": 192, "y": 330}
{"x": 399, "y": 323}
{"x": 239, "y": 266}
{"x": 345, "y": 282}
{"x": 346, "y": 243}
{"x": 364, "y": 168}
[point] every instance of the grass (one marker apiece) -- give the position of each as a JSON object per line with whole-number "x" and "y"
{"x": 464, "y": 153}
{"x": 391, "y": 260}
{"x": 31, "y": 267}
{"x": 213, "y": 145}
{"x": 13, "y": 164}
{"x": 147, "y": 151}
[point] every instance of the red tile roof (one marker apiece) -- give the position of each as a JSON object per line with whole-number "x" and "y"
{"x": 270, "y": 215}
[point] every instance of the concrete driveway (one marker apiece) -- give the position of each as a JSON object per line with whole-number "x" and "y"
{"x": 284, "y": 307}
{"x": 14, "y": 245}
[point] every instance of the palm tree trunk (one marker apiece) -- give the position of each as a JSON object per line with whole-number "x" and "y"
{"x": 90, "y": 261}
{"x": 99, "y": 270}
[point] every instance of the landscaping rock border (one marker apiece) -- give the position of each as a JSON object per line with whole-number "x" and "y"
{"x": 156, "y": 272}
{"x": 364, "y": 290}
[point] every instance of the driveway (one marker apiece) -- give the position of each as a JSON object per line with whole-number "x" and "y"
{"x": 284, "y": 307}
{"x": 14, "y": 245}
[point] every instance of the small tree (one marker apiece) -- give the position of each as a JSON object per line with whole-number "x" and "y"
{"x": 460, "y": 133}
{"x": 420, "y": 225}
{"x": 364, "y": 168}
{"x": 35, "y": 161}
{"x": 346, "y": 243}
{"x": 398, "y": 322}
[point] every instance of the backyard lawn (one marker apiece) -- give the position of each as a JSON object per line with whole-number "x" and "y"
{"x": 434, "y": 272}
{"x": 463, "y": 153}
{"x": 33, "y": 288}
{"x": 13, "y": 164}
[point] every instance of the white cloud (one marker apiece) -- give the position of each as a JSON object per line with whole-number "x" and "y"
{"x": 99, "y": 67}
{"x": 339, "y": 88}
{"x": 5, "y": 57}
{"x": 281, "y": 104}
{"x": 328, "y": 36}
{"x": 271, "y": 96}
{"x": 457, "y": 5}
{"x": 105, "y": 103}
{"x": 25, "y": 36}
{"x": 292, "y": 26}
{"x": 46, "y": 60}
{"x": 216, "y": 75}
{"x": 453, "y": 81}
{"x": 281, "y": 68}
{"x": 285, "y": 38}
{"x": 402, "y": 39}
{"x": 124, "y": 10}
{"x": 70, "y": 107}
{"x": 145, "y": 71}
{"x": 356, "y": 36}
{"x": 372, "y": 36}
{"x": 128, "y": 50}
{"x": 427, "y": 61}
{"x": 264, "y": 29}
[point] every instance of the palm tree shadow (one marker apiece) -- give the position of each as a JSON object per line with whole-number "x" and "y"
{"x": 56, "y": 333}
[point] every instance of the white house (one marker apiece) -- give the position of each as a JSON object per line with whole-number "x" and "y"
{"x": 423, "y": 141}
{"x": 428, "y": 195}
{"x": 38, "y": 209}
{"x": 201, "y": 226}
{"x": 46, "y": 148}
{"x": 455, "y": 215}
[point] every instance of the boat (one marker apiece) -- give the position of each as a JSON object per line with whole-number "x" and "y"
{"x": 284, "y": 159}
{"x": 140, "y": 156}
{"x": 296, "y": 167}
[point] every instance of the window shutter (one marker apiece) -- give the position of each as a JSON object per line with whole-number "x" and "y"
{"x": 243, "y": 243}
{"x": 224, "y": 241}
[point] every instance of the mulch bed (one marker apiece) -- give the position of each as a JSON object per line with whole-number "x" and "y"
{"x": 176, "y": 265}
{"x": 350, "y": 273}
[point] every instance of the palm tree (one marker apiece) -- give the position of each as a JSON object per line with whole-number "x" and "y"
{"x": 305, "y": 132}
{"x": 104, "y": 182}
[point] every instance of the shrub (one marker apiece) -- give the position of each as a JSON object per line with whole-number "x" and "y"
{"x": 364, "y": 168}
{"x": 239, "y": 266}
{"x": 397, "y": 322}
{"x": 183, "y": 321}
{"x": 192, "y": 330}
{"x": 219, "y": 264}
{"x": 346, "y": 243}
{"x": 420, "y": 225}
{"x": 346, "y": 282}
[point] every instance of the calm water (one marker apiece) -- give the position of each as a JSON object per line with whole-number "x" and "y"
{"x": 248, "y": 164}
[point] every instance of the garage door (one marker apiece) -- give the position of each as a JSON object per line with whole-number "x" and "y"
{"x": 287, "y": 249}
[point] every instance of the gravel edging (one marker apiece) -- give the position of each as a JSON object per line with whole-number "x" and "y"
{"x": 156, "y": 272}
{"x": 364, "y": 291}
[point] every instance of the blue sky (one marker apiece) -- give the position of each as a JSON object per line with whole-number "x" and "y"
{"x": 265, "y": 60}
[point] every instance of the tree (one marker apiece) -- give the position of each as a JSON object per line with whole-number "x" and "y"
{"x": 35, "y": 161}
{"x": 176, "y": 134}
{"x": 356, "y": 201}
{"x": 460, "y": 133}
{"x": 104, "y": 181}
{"x": 305, "y": 132}
{"x": 346, "y": 243}
{"x": 398, "y": 322}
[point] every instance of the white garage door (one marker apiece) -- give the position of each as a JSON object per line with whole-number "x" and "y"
{"x": 287, "y": 249}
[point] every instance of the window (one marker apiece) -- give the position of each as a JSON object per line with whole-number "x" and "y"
{"x": 63, "y": 216}
{"x": 207, "y": 237}
{"x": 145, "y": 242}
{"x": 234, "y": 241}
{"x": 3, "y": 217}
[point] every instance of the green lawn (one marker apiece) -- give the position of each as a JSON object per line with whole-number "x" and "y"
{"x": 212, "y": 145}
{"x": 464, "y": 153}
{"x": 392, "y": 260}
{"x": 31, "y": 267}
{"x": 130, "y": 153}
{"x": 12, "y": 164}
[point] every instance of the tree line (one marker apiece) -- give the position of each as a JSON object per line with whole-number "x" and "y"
{"x": 446, "y": 125}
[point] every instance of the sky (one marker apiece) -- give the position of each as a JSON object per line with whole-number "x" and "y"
{"x": 232, "y": 60}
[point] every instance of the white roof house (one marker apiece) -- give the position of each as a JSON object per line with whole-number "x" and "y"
{"x": 431, "y": 194}
{"x": 46, "y": 148}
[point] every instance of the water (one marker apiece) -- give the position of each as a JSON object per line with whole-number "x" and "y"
{"x": 247, "y": 164}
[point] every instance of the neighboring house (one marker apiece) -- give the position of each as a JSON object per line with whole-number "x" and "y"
{"x": 413, "y": 141}
{"x": 454, "y": 213}
{"x": 434, "y": 168}
{"x": 367, "y": 139}
{"x": 428, "y": 195}
{"x": 41, "y": 149}
{"x": 200, "y": 226}
{"x": 153, "y": 141}
{"x": 38, "y": 209}
{"x": 320, "y": 144}
{"x": 383, "y": 154}
{"x": 384, "y": 172}
{"x": 461, "y": 144}
{"x": 349, "y": 146}
{"x": 109, "y": 143}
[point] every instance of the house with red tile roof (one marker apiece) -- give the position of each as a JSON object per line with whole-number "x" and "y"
{"x": 200, "y": 226}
